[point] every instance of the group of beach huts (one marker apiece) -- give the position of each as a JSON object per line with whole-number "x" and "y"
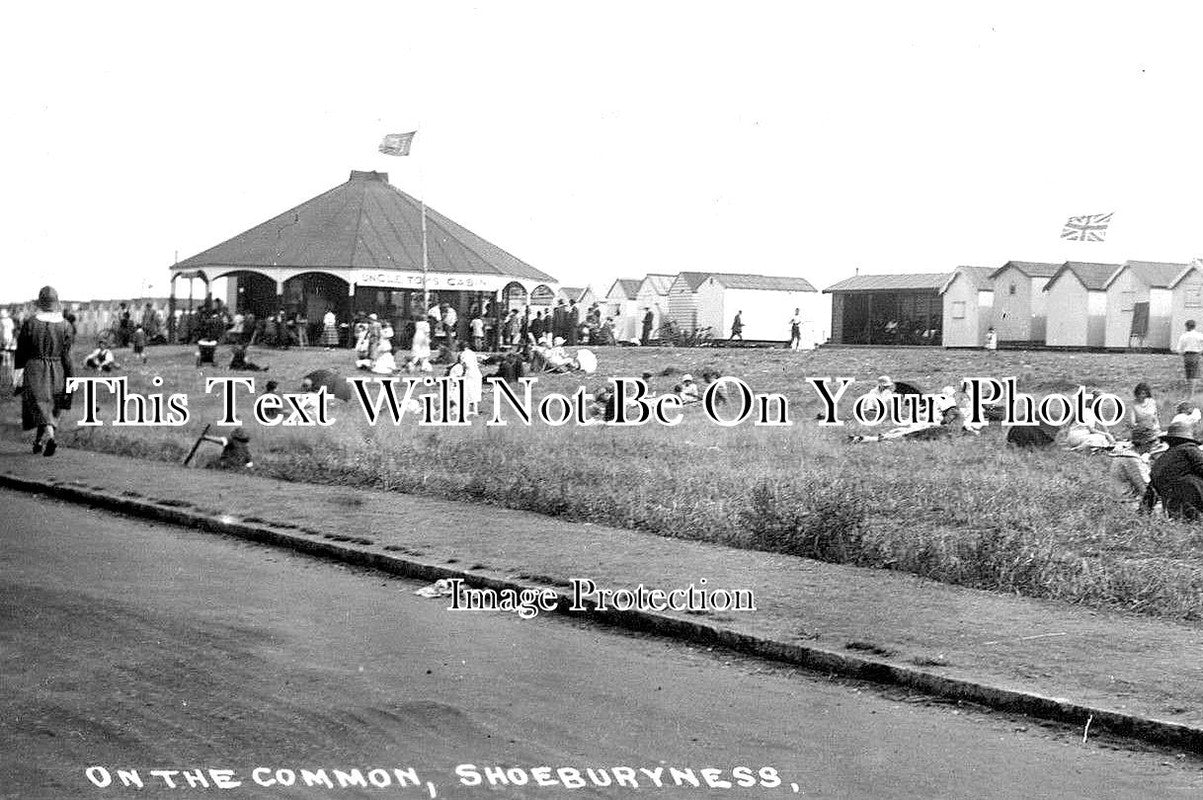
{"x": 1076, "y": 304}
{"x": 709, "y": 302}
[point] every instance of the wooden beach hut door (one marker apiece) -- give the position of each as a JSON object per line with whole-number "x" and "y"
{"x": 1140, "y": 325}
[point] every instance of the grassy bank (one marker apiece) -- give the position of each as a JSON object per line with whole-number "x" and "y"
{"x": 966, "y": 511}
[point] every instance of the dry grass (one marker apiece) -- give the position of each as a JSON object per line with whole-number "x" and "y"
{"x": 966, "y": 511}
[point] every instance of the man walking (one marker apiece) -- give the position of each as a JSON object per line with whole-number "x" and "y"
{"x": 795, "y": 330}
{"x": 1190, "y": 345}
{"x": 737, "y": 327}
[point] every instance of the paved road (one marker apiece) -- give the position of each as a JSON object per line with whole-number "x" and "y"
{"x": 142, "y": 647}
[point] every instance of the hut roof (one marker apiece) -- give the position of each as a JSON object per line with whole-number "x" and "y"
{"x": 1154, "y": 274}
{"x": 771, "y": 283}
{"x": 1032, "y": 269}
{"x": 978, "y": 277}
{"x": 1093, "y": 276}
{"x": 933, "y": 281}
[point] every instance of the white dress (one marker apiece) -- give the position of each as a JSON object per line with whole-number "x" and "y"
{"x": 385, "y": 363}
{"x": 420, "y": 349}
{"x": 473, "y": 380}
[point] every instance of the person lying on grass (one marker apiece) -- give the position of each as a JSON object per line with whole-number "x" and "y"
{"x": 1088, "y": 433}
{"x": 951, "y": 422}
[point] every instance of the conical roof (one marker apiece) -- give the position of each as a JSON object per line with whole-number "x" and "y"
{"x": 365, "y": 223}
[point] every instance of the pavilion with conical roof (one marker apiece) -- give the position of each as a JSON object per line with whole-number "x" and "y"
{"x": 358, "y": 248}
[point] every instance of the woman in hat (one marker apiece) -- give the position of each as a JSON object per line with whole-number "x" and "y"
{"x": 44, "y": 355}
{"x": 1177, "y": 476}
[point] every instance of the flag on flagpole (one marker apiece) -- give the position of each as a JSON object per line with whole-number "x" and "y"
{"x": 1090, "y": 228}
{"x": 397, "y": 144}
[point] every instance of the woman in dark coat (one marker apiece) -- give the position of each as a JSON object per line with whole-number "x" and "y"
{"x": 1177, "y": 476}
{"x": 44, "y": 353}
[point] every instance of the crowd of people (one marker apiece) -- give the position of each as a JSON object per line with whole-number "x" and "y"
{"x": 1151, "y": 466}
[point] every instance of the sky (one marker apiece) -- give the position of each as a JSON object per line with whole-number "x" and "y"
{"x": 597, "y": 141}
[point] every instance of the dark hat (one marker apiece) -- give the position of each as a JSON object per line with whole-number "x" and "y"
{"x": 47, "y": 298}
{"x": 239, "y": 435}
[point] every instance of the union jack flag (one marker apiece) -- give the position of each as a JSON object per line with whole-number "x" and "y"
{"x": 397, "y": 144}
{"x": 1091, "y": 228}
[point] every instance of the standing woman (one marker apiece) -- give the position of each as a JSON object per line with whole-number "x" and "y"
{"x": 44, "y": 353}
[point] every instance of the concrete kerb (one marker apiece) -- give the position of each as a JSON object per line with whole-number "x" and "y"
{"x": 816, "y": 659}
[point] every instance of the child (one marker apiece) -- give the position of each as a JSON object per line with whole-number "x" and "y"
{"x": 1146, "y": 428}
{"x": 688, "y": 390}
{"x": 478, "y": 333}
{"x": 138, "y": 340}
{"x": 238, "y": 360}
{"x": 420, "y": 348}
{"x": 101, "y": 359}
{"x": 386, "y": 362}
{"x": 991, "y": 340}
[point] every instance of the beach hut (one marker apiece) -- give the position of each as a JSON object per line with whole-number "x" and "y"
{"x": 653, "y": 295}
{"x": 968, "y": 298}
{"x": 583, "y": 296}
{"x": 1076, "y": 304}
{"x": 683, "y": 300}
{"x": 1139, "y": 304}
{"x": 621, "y": 305}
{"x": 899, "y": 309}
{"x": 1186, "y": 300}
{"x": 1019, "y": 300}
{"x": 767, "y": 303}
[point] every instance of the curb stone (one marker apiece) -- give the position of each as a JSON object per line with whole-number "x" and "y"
{"x": 816, "y": 659}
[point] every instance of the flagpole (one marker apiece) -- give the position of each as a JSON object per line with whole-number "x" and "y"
{"x": 425, "y": 261}
{"x": 425, "y": 250}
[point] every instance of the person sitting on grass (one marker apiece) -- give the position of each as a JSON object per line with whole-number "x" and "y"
{"x": 603, "y": 407}
{"x": 238, "y": 361}
{"x": 687, "y": 390}
{"x": 557, "y": 357}
{"x": 709, "y": 377}
{"x": 235, "y": 450}
{"x": 886, "y": 388}
{"x": 101, "y": 359}
{"x": 270, "y": 413}
{"x": 1176, "y": 478}
{"x": 1146, "y": 428}
{"x": 1130, "y": 470}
